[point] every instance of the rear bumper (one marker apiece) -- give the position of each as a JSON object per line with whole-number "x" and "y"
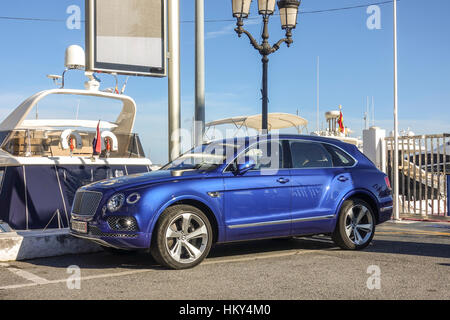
{"x": 385, "y": 213}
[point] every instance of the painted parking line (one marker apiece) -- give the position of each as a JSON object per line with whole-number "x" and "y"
{"x": 108, "y": 275}
{"x": 210, "y": 261}
{"x": 34, "y": 279}
{"x": 258, "y": 257}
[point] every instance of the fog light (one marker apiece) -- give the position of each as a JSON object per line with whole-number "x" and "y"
{"x": 124, "y": 223}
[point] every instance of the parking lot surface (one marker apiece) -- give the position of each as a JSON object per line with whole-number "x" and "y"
{"x": 406, "y": 260}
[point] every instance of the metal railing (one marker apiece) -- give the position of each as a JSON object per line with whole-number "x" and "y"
{"x": 424, "y": 163}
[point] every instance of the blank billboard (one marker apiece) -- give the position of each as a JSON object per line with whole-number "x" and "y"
{"x": 126, "y": 36}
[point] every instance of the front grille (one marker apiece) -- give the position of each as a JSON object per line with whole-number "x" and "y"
{"x": 86, "y": 203}
{"x": 95, "y": 231}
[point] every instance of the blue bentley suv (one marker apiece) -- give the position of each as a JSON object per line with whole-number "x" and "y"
{"x": 233, "y": 190}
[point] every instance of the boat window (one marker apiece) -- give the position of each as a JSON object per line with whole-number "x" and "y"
{"x": 3, "y": 135}
{"x": 309, "y": 155}
{"x": 2, "y": 175}
{"x": 340, "y": 158}
{"x": 76, "y": 107}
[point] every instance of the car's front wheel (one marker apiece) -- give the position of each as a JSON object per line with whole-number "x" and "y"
{"x": 183, "y": 237}
{"x": 356, "y": 225}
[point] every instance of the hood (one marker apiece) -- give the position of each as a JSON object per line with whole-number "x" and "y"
{"x": 143, "y": 179}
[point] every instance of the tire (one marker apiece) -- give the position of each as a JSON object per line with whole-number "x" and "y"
{"x": 351, "y": 233}
{"x": 182, "y": 237}
{"x": 117, "y": 252}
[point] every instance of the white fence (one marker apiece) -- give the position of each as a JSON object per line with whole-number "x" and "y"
{"x": 424, "y": 163}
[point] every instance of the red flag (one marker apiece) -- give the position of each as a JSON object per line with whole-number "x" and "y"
{"x": 341, "y": 123}
{"x": 72, "y": 146}
{"x": 98, "y": 141}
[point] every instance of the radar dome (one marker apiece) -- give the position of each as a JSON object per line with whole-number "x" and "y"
{"x": 75, "y": 57}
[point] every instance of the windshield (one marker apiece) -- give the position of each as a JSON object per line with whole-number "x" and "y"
{"x": 206, "y": 157}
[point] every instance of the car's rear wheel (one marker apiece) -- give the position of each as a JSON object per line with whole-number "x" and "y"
{"x": 356, "y": 225}
{"x": 183, "y": 237}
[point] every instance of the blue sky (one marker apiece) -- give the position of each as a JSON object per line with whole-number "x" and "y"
{"x": 355, "y": 62}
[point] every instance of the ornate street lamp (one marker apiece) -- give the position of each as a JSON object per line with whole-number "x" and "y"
{"x": 266, "y": 8}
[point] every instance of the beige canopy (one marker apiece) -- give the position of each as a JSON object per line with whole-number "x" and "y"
{"x": 275, "y": 121}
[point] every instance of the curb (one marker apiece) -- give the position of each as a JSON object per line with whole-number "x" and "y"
{"x": 24, "y": 245}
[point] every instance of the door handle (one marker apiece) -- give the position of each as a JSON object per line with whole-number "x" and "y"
{"x": 283, "y": 180}
{"x": 342, "y": 178}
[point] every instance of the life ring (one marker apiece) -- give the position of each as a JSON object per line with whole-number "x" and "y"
{"x": 113, "y": 142}
{"x": 66, "y": 135}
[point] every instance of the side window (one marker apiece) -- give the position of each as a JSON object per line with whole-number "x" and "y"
{"x": 340, "y": 158}
{"x": 265, "y": 155}
{"x": 309, "y": 155}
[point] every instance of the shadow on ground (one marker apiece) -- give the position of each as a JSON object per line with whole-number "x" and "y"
{"x": 143, "y": 260}
{"x": 438, "y": 250}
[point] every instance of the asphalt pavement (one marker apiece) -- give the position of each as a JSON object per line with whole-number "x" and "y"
{"x": 408, "y": 260}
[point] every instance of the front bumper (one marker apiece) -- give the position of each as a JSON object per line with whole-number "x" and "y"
{"x": 115, "y": 239}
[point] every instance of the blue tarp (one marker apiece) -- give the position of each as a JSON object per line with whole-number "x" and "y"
{"x": 32, "y": 196}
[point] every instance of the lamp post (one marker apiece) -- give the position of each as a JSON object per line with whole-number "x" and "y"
{"x": 266, "y": 8}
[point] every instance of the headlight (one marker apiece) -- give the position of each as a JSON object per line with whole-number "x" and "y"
{"x": 115, "y": 202}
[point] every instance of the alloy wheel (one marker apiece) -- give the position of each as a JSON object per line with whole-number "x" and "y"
{"x": 359, "y": 224}
{"x": 186, "y": 238}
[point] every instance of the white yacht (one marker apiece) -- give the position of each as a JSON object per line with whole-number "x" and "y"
{"x": 332, "y": 131}
{"x": 44, "y": 161}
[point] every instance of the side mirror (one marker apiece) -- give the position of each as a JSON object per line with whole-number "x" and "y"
{"x": 248, "y": 165}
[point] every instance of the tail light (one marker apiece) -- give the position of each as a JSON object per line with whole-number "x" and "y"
{"x": 388, "y": 183}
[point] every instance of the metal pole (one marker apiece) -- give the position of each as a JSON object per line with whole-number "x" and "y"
{"x": 174, "y": 78}
{"x": 368, "y": 112}
{"x": 199, "y": 124}
{"x": 373, "y": 111}
{"x": 396, "y": 180}
{"x": 265, "y": 99}
{"x": 265, "y": 61}
{"x": 318, "y": 92}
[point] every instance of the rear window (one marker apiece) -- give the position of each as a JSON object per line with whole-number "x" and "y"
{"x": 339, "y": 157}
{"x": 309, "y": 155}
